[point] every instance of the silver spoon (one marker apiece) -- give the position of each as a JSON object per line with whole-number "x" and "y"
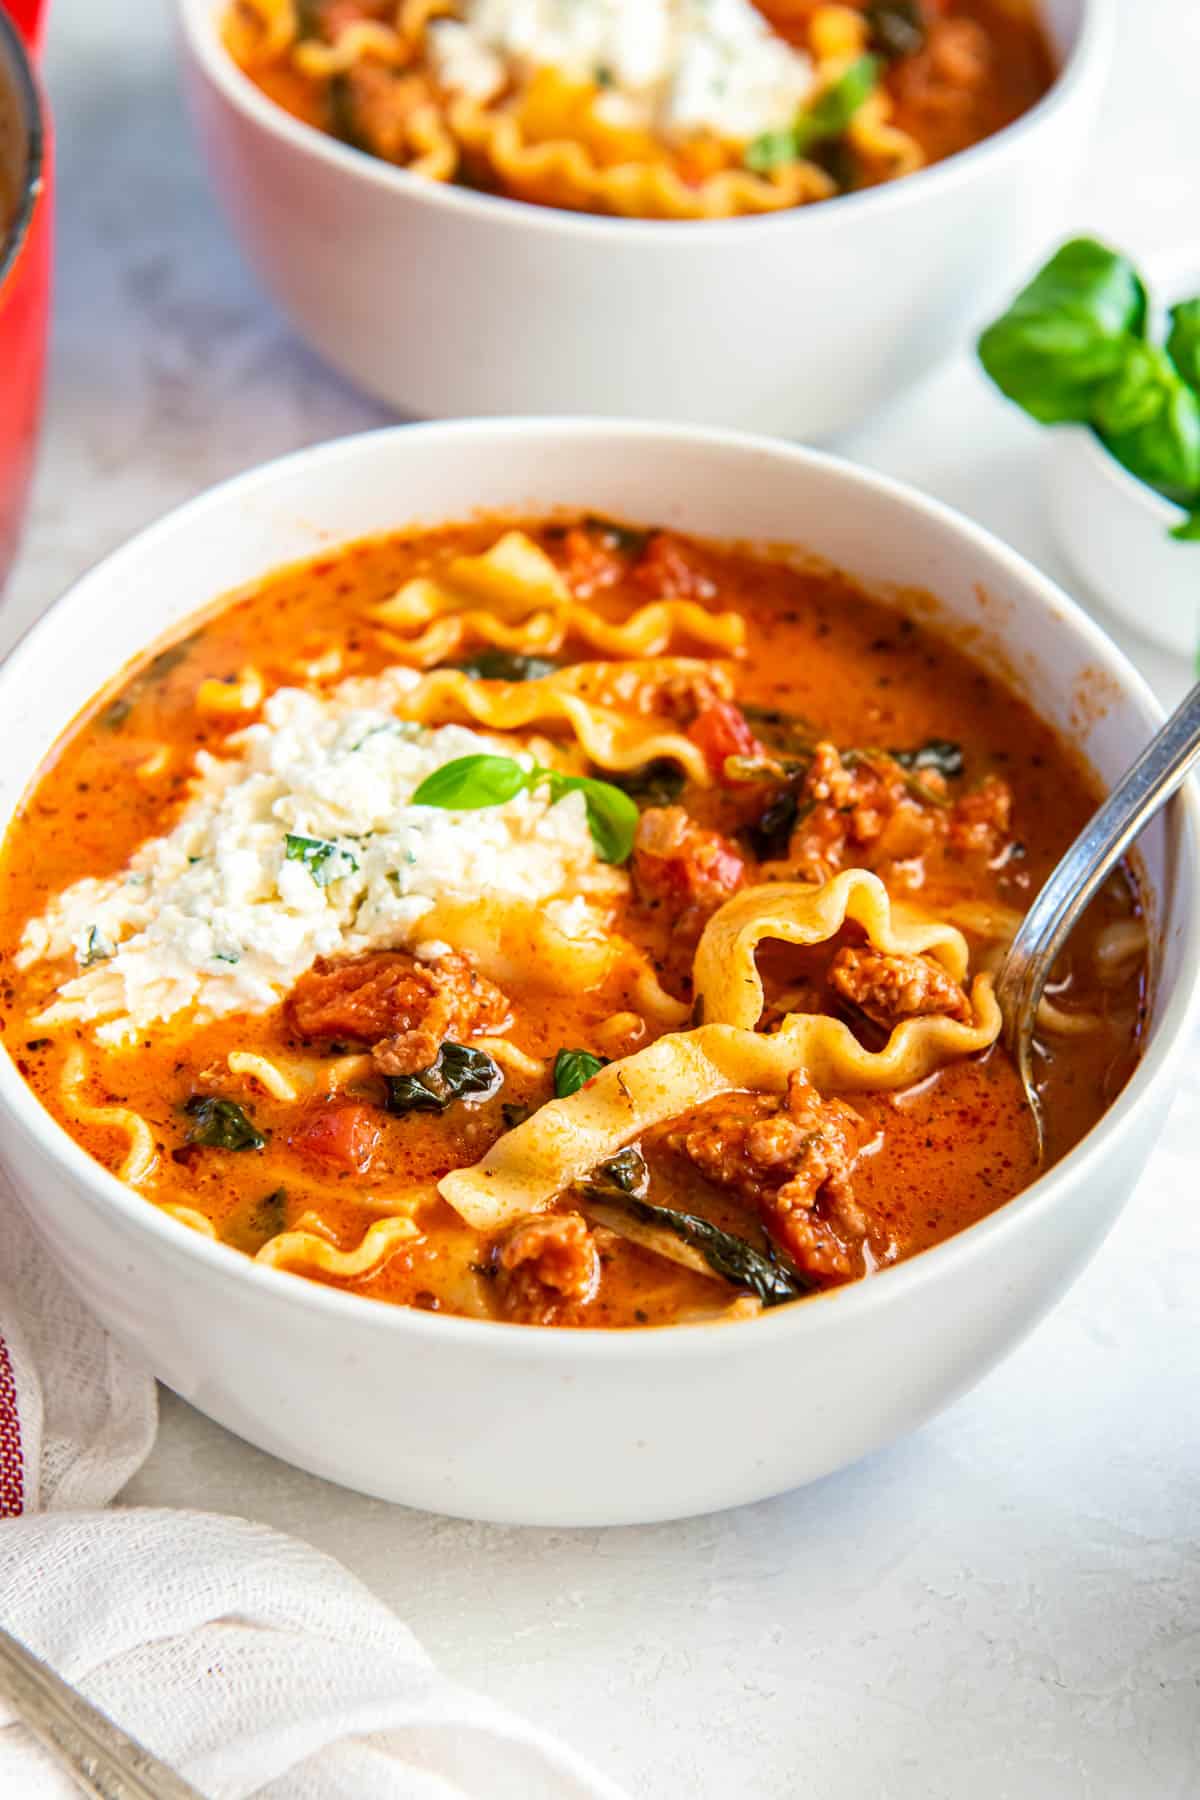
{"x": 105, "y": 1762}
{"x": 1137, "y": 797}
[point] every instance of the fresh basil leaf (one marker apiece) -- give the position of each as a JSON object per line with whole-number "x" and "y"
{"x": 657, "y": 783}
{"x": 471, "y": 782}
{"x": 506, "y": 665}
{"x": 573, "y": 1069}
{"x": 96, "y": 948}
{"x": 936, "y": 753}
{"x": 775, "y": 1279}
{"x": 1067, "y": 332}
{"x": 221, "y": 1124}
{"x": 1183, "y": 340}
{"x": 771, "y": 150}
{"x": 897, "y": 27}
{"x": 1149, "y": 418}
{"x": 611, "y": 815}
{"x": 459, "y": 1073}
{"x": 834, "y": 108}
{"x": 626, "y": 1170}
{"x": 1188, "y": 531}
{"x": 324, "y": 861}
{"x": 828, "y": 117}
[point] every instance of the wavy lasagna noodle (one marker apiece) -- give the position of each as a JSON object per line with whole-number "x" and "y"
{"x": 670, "y": 109}
{"x": 522, "y": 920}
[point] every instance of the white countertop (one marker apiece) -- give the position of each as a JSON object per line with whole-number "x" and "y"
{"x": 1007, "y": 1603}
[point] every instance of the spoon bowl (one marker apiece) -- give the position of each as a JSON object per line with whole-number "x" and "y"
{"x": 1148, "y": 785}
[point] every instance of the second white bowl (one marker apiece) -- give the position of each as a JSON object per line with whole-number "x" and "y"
{"x": 445, "y": 302}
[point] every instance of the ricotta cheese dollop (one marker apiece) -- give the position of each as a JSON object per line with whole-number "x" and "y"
{"x": 303, "y": 842}
{"x": 679, "y": 66}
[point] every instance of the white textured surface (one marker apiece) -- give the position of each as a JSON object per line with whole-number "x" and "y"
{"x": 1005, "y": 1605}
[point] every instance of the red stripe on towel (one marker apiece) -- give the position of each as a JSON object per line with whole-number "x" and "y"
{"x": 12, "y": 1462}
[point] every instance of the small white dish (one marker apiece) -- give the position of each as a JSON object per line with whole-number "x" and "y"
{"x": 1117, "y": 533}
{"x": 1114, "y": 529}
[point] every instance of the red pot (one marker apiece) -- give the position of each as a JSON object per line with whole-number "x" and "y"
{"x": 25, "y": 245}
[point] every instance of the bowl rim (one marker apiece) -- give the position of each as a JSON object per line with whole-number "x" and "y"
{"x": 1088, "y": 56}
{"x": 1178, "y": 1011}
{"x": 15, "y": 55}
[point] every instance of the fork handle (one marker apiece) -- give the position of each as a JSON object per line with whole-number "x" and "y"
{"x": 102, "y": 1759}
{"x": 1158, "y": 772}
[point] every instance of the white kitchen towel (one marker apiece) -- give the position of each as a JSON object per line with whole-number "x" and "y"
{"x": 246, "y": 1660}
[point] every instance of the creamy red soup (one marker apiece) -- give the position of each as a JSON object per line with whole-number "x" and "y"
{"x": 558, "y": 922}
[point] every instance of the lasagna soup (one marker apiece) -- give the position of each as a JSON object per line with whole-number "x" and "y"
{"x": 674, "y": 109}
{"x": 563, "y": 923}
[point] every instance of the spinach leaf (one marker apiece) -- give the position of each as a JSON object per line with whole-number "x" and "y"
{"x": 221, "y": 1124}
{"x": 627, "y": 1171}
{"x": 573, "y": 1069}
{"x": 629, "y": 539}
{"x": 115, "y": 714}
{"x": 771, "y": 833}
{"x": 1183, "y": 340}
{"x": 1066, "y": 332}
{"x": 1149, "y": 418}
{"x": 473, "y": 782}
{"x": 781, "y": 730}
{"x": 657, "y": 783}
{"x": 897, "y": 27}
{"x": 774, "y": 1278}
{"x": 505, "y": 665}
{"x": 459, "y": 1073}
{"x": 514, "y": 1113}
{"x": 828, "y": 116}
{"x": 117, "y": 711}
{"x": 324, "y": 861}
{"x": 1188, "y": 530}
{"x": 936, "y": 753}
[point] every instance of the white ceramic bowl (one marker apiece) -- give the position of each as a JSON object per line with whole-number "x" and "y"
{"x": 559, "y": 1427}
{"x": 445, "y": 302}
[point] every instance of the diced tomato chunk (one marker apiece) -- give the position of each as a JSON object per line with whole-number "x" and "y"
{"x": 720, "y": 731}
{"x": 343, "y": 1136}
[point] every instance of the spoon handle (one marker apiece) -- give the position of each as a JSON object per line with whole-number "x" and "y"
{"x": 1154, "y": 777}
{"x": 103, "y": 1761}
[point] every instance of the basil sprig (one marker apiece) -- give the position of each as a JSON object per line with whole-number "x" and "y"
{"x": 828, "y": 117}
{"x": 470, "y": 783}
{"x": 1073, "y": 349}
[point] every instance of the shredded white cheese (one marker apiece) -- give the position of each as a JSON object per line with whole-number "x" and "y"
{"x": 217, "y": 917}
{"x": 677, "y": 66}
